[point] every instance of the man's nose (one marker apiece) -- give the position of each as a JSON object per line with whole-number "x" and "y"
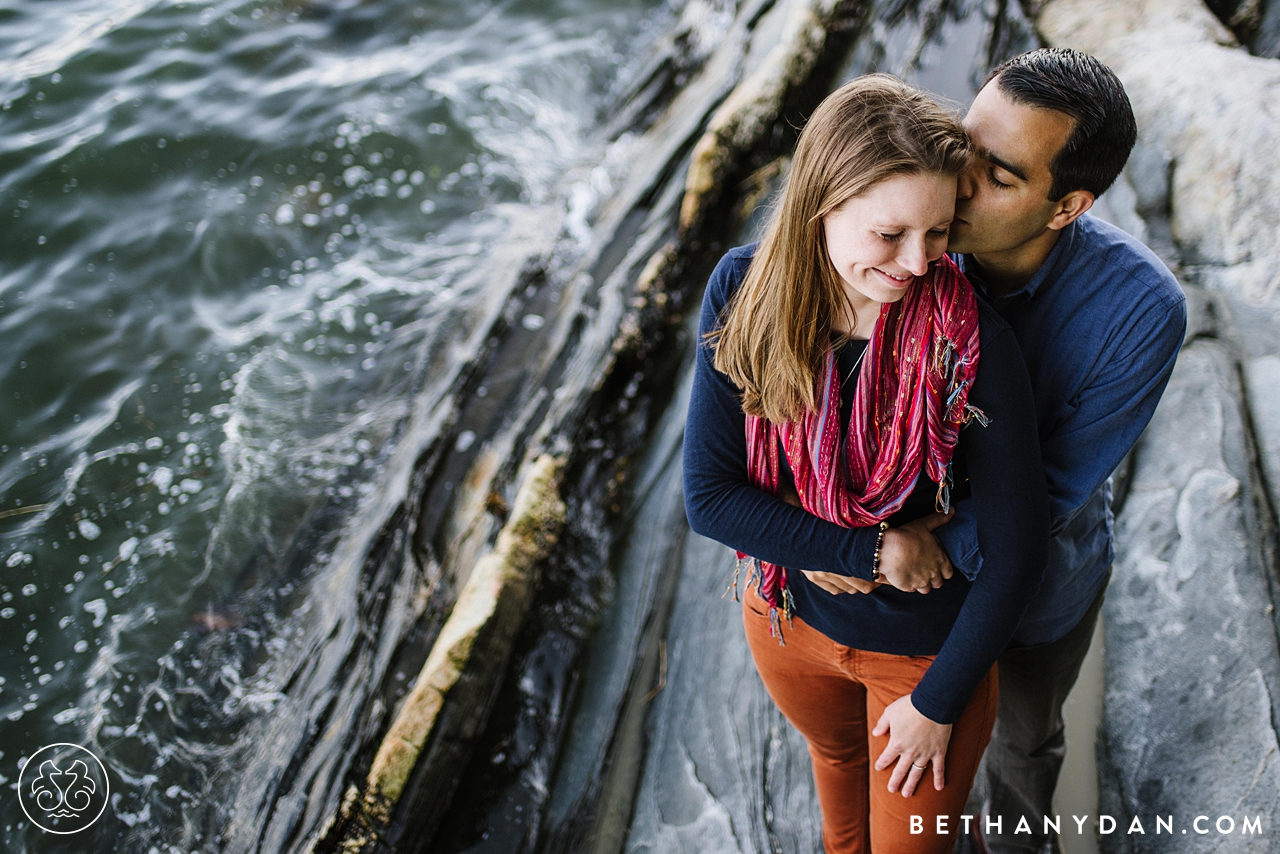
{"x": 965, "y": 185}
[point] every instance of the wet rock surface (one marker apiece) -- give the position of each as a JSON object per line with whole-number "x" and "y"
{"x": 725, "y": 772}
{"x": 1261, "y": 379}
{"x": 1192, "y": 672}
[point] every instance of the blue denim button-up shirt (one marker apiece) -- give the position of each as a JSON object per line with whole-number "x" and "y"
{"x": 1100, "y": 325}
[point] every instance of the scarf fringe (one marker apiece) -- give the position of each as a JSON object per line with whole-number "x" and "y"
{"x": 973, "y": 413}
{"x": 755, "y": 577}
{"x": 742, "y": 561}
{"x": 942, "y": 503}
{"x": 788, "y": 610}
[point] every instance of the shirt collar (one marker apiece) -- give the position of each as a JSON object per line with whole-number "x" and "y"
{"x": 1047, "y": 273}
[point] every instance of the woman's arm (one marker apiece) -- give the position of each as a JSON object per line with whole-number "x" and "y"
{"x": 1007, "y": 481}
{"x": 720, "y": 501}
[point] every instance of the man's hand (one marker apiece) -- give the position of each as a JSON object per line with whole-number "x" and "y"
{"x": 910, "y": 557}
{"x": 914, "y": 742}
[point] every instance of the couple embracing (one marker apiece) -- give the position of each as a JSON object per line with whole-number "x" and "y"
{"x": 907, "y": 403}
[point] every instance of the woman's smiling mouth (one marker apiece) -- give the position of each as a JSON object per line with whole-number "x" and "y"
{"x": 896, "y": 281}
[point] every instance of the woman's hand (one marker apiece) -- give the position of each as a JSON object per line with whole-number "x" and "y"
{"x": 830, "y": 581}
{"x": 914, "y": 741}
{"x": 835, "y": 583}
{"x": 910, "y": 558}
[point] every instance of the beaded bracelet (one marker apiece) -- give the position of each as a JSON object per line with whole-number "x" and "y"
{"x": 875, "y": 560}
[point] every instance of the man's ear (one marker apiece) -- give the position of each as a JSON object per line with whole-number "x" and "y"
{"x": 1068, "y": 208}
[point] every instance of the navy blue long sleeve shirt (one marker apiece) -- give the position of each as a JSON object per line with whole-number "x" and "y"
{"x": 964, "y": 623}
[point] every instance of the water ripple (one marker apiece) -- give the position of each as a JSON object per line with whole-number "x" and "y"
{"x": 76, "y": 32}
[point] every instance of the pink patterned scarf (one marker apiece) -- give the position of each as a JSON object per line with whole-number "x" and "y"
{"x": 910, "y": 403}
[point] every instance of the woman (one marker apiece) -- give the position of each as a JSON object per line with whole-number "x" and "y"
{"x": 839, "y": 361}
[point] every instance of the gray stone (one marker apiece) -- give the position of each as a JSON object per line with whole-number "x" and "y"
{"x": 725, "y": 771}
{"x": 1204, "y": 311}
{"x": 1262, "y": 392}
{"x": 1118, "y": 206}
{"x": 1192, "y": 670}
{"x": 1148, "y": 172}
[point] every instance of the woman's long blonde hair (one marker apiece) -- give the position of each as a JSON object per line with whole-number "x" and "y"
{"x": 776, "y": 331}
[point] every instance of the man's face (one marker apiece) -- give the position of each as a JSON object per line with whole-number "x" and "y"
{"x": 1003, "y": 200}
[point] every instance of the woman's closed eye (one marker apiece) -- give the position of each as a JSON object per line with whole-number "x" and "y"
{"x": 897, "y": 236}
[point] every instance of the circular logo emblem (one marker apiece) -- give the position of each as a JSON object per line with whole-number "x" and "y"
{"x": 63, "y": 788}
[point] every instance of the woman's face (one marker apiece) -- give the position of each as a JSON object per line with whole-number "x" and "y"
{"x": 881, "y": 240}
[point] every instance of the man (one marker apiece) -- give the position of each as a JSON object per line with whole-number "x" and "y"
{"x": 1100, "y": 321}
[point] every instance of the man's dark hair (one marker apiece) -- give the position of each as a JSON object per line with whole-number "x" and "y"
{"x": 1080, "y": 86}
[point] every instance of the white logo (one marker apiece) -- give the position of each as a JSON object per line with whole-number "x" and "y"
{"x": 63, "y": 788}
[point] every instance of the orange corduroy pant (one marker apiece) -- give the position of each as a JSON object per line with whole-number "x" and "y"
{"x": 834, "y": 695}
